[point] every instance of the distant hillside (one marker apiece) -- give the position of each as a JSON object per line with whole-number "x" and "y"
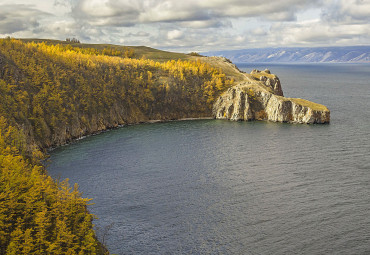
{"x": 138, "y": 51}
{"x": 353, "y": 54}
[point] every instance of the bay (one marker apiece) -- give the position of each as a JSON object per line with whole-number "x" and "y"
{"x": 222, "y": 187}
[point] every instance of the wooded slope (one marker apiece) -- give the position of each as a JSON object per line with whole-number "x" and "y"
{"x": 51, "y": 94}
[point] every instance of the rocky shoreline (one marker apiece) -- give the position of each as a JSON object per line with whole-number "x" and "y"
{"x": 260, "y": 97}
{"x": 256, "y": 96}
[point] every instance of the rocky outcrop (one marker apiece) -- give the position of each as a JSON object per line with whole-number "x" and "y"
{"x": 269, "y": 80}
{"x": 260, "y": 97}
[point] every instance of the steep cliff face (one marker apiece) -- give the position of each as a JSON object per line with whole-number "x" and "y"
{"x": 271, "y": 81}
{"x": 260, "y": 97}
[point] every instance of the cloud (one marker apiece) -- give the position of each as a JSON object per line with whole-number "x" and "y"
{"x": 106, "y": 13}
{"x": 138, "y": 34}
{"x": 62, "y": 3}
{"x": 269, "y": 9}
{"x": 209, "y": 24}
{"x": 192, "y": 25}
{"x": 316, "y": 33}
{"x": 172, "y": 11}
{"x": 175, "y": 35}
{"x": 19, "y": 17}
{"x": 202, "y": 24}
{"x": 347, "y": 11}
{"x": 196, "y": 13}
{"x": 259, "y": 31}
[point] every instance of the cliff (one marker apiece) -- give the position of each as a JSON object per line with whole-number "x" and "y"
{"x": 57, "y": 93}
{"x": 260, "y": 97}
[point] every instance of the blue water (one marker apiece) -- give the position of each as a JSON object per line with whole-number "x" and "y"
{"x": 222, "y": 187}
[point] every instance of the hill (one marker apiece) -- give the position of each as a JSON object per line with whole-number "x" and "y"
{"x": 137, "y": 52}
{"x": 52, "y": 92}
{"x": 354, "y": 54}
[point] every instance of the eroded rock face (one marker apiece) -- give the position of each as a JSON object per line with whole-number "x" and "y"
{"x": 274, "y": 84}
{"x": 264, "y": 100}
{"x": 269, "y": 80}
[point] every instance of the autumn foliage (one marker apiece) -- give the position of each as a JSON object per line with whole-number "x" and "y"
{"x": 51, "y": 94}
{"x": 37, "y": 214}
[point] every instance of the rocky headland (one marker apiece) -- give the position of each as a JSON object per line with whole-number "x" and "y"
{"x": 259, "y": 96}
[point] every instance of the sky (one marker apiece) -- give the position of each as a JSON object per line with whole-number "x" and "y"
{"x": 191, "y": 25}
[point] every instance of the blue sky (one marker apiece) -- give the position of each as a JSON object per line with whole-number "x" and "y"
{"x": 191, "y": 25}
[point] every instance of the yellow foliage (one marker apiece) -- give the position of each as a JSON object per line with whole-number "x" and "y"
{"x": 38, "y": 216}
{"x": 53, "y": 93}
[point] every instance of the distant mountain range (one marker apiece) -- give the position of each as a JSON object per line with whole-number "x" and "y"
{"x": 353, "y": 54}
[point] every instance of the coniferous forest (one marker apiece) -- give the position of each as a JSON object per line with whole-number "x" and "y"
{"x": 51, "y": 94}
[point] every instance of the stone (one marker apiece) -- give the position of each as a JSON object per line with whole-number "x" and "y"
{"x": 263, "y": 100}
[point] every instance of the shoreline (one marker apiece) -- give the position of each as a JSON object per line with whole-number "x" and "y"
{"x": 74, "y": 140}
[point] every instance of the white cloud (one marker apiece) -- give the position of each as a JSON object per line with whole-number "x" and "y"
{"x": 347, "y": 11}
{"x": 19, "y": 17}
{"x": 127, "y": 12}
{"x": 205, "y": 24}
{"x": 175, "y": 35}
{"x": 138, "y": 34}
{"x": 259, "y": 31}
{"x": 191, "y": 25}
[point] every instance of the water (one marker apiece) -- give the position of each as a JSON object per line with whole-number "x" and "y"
{"x": 221, "y": 187}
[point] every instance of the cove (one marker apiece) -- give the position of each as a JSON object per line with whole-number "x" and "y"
{"x": 221, "y": 187}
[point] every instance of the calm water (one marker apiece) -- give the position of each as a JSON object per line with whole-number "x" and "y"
{"x": 220, "y": 187}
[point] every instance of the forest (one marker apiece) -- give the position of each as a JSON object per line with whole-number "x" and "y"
{"x": 51, "y": 94}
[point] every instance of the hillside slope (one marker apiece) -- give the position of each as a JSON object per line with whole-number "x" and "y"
{"x": 137, "y": 52}
{"x": 65, "y": 92}
{"x": 51, "y": 94}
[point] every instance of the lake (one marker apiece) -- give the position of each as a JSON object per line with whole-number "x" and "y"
{"x": 222, "y": 187}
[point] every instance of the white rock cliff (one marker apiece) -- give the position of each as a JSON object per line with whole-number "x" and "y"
{"x": 260, "y": 97}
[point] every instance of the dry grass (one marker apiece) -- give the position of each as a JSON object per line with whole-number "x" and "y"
{"x": 262, "y": 73}
{"x": 140, "y": 51}
{"x": 156, "y": 55}
{"x": 312, "y": 105}
{"x": 228, "y": 68}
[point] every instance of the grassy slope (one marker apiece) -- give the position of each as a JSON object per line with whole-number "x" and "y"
{"x": 155, "y": 54}
{"x": 312, "y": 105}
{"x": 227, "y": 67}
{"x": 140, "y": 51}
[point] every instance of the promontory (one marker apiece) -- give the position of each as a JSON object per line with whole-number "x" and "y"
{"x": 259, "y": 96}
